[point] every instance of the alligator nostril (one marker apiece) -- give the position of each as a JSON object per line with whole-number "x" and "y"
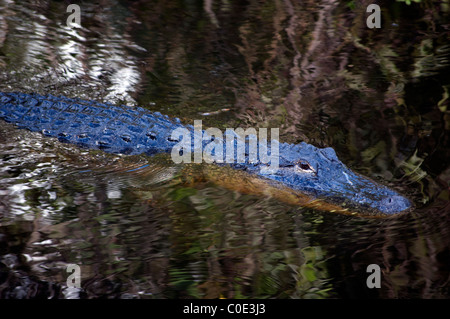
{"x": 394, "y": 204}
{"x": 390, "y": 201}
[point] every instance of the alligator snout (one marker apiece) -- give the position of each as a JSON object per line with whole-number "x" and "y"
{"x": 368, "y": 193}
{"x": 394, "y": 204}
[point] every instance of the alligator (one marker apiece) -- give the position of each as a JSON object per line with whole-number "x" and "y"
{"x": 305, "y": 174}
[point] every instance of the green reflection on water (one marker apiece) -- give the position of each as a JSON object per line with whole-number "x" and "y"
{"x": 378, "y": 97}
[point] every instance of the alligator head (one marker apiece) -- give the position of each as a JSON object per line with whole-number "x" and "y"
{"x": 319, "y": 172}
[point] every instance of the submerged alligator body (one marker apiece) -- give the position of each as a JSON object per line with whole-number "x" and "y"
{"x": 119, "y": 129}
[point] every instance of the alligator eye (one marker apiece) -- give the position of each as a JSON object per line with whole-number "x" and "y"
{"x": 304, "y": 167}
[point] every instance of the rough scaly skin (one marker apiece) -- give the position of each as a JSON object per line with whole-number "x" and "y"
{"x": 312, "y": 172}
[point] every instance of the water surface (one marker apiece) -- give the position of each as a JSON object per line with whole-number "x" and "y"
{"x": 134, "y": 224}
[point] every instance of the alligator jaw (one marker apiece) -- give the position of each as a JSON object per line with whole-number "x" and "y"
{"x": 321, "y": 174}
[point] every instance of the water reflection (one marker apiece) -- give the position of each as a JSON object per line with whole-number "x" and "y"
{"x": 144, "y": 228}
{"x": 46, "y": 50}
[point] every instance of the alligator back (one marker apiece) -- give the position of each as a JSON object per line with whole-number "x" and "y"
{"x": 89, "y": 124}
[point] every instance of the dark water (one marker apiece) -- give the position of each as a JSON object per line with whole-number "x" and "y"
{"x": 138, "y": 230}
